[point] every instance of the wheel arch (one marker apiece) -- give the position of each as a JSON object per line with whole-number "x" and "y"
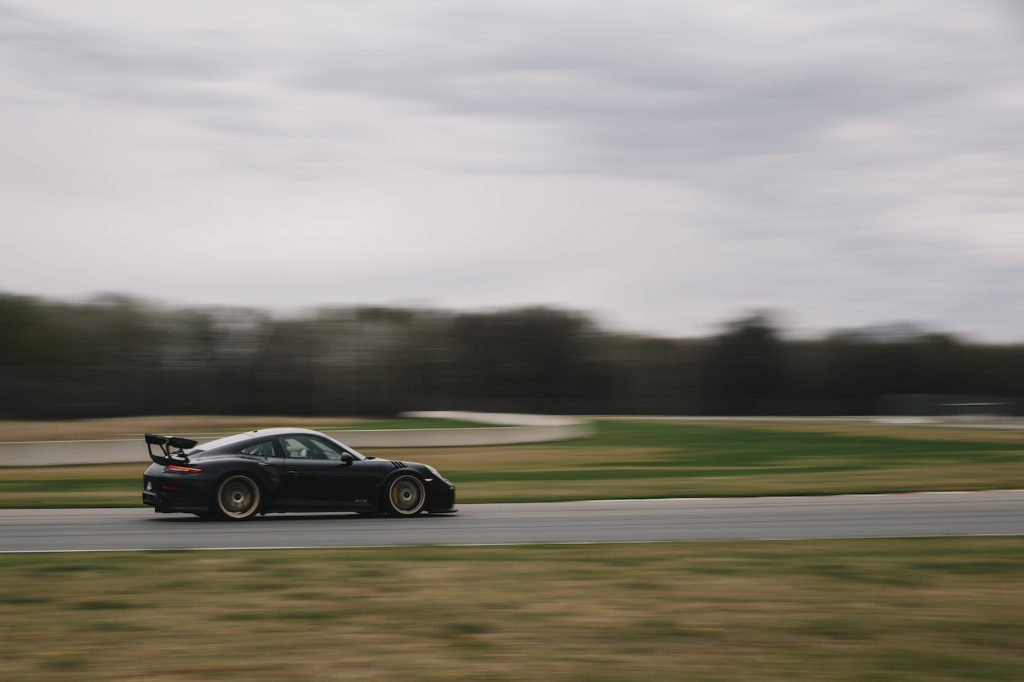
{"x": 253, "y": 472}
{"x": 382, "y": 502}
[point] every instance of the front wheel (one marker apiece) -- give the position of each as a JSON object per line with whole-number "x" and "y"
{"x": 238, "y": 498}
{"x": 405, "y": 496}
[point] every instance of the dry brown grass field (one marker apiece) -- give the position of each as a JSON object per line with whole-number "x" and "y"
{"x": 923, "y": 610}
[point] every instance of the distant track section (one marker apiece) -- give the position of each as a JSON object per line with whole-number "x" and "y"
{"x": 514, "y": 428}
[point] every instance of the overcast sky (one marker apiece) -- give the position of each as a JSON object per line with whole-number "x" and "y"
{"x": 665, "y": 166}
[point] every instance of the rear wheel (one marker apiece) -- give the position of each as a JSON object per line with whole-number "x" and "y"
{"x": 405, "y": 496}
{"x": 238, "y": 497}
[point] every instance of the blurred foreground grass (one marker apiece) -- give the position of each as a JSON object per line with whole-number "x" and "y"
{"x": 900, "y": 609}
{"x": 627, "y": 459}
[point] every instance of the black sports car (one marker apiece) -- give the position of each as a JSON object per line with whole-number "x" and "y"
{"x": 282, "y": 470}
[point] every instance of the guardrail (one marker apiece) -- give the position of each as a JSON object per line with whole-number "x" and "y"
{"x": 515, "y": 428}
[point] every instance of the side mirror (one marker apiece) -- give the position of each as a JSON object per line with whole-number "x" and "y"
{"x": 347, "y": 458}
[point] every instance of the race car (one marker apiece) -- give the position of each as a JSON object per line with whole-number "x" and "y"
{"x": 285, "y": 470}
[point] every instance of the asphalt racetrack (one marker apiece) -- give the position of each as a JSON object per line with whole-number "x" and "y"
{"x": 840, "y": 516}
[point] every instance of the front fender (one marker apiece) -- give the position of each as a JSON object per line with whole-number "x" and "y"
{"x": 382, "y": 486}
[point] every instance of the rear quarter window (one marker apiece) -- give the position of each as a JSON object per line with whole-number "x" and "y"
{"x": 264, "y": 449}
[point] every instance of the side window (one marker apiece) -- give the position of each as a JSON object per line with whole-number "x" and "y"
{"x": 308, "y": 447}
{"x": 264, "y": 449}
{"x": 295, "y": 448}
{"x": 329, "y": 450}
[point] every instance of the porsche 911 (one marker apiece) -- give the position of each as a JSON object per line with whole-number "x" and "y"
{"x": 285, "y": 470}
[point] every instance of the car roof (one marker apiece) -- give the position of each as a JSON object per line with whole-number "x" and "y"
{"x": 255, "y": 434}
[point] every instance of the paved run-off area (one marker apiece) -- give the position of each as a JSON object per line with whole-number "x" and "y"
{"x": 838, "y": 516}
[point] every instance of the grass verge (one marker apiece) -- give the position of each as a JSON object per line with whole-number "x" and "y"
{"x": 919, "y": 609}
{"x": 637, "y": 459}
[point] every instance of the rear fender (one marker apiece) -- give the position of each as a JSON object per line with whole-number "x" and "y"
{"x": 256, "y": 473}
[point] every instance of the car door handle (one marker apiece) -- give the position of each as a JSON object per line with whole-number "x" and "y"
{"x": 293, "y": 472}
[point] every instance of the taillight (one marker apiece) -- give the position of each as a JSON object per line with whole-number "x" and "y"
{"x": 174, "y": 468}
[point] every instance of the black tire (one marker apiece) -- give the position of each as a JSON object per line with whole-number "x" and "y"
{"x": 238, "y": 498}
{"x": 405, "y": 496}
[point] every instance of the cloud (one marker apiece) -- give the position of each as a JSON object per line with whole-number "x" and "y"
{"x": 656, "y": 91}
{"x": 668, "y": 163}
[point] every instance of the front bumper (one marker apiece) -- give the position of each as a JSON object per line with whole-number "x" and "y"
{"x": 441, "y": 496}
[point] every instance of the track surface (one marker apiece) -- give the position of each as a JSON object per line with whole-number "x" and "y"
{"x": 979, "y": 513}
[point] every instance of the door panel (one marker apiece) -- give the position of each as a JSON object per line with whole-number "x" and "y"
{"x": 313, "y": 476}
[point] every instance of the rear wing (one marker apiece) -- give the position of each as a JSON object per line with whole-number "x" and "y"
{"x": 166, "y": 455}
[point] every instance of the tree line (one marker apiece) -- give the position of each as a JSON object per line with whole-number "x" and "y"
{"x": 118, "y": 356}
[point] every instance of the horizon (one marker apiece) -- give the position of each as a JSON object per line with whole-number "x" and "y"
{"x": 896, "y": 330}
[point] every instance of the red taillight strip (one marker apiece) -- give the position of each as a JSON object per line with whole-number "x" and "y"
{"x": 178, "y": 468}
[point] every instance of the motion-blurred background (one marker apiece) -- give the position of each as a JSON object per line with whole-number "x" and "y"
{"x": 115, "y": 356}
{"x": 361, "y": 208}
